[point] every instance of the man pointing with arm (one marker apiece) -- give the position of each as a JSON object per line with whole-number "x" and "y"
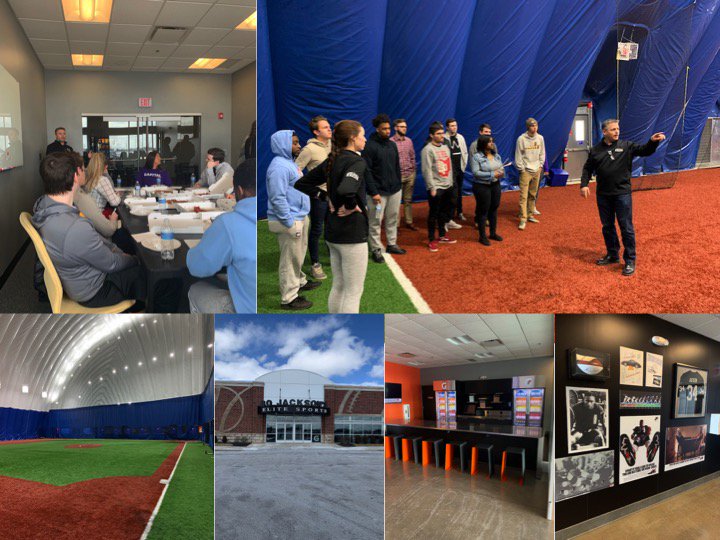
{"x": 611, "y": 162}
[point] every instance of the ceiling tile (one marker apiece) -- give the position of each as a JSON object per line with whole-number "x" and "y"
{"x": 129, "y": 33}
{"x": 205, "y": 36}
{"x": 55, "y": 60}
{"x": 118, "y": 61}
{"x": 157, "y": 49}
{"x": 246, "y": 53}
{"x": 123, "y": 49}
{"x": 148, "y": 62}
{"x": 222, "y": 52}
{"x": 239, "y": 38}
{"x": 87, "y": 31}
{"x": 176, "y": 63}
{"x": 182, "y": 14}
{"x": 43, "y": 29}
{"x": 87, "y": 47}
{"x": 247, "y": 3}
{"x": 135, "y": 11}
{"x": 50, "y": 46}
{"x": 222, "y": 16}
{"x": 48, "y": 10}
{"x": 190, "y": 51}
{"x": 143, "y": 69}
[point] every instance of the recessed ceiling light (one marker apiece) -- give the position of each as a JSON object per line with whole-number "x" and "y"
{"x": 189, "y": 349}
{"x": 206, "y": 63}
{"x": 172, "y": 355}
{"x": 248, "y": 24}
{"x": 79, "y": 397}
{"x": 118, "y": 337}
{"x": 139, "y": 363}
{"x": 88, "y": 11}
{"x": 210, "y": 345}
{"x": 25, "y": 389}
{"x": 101, "y": 378}
{"x": 154, "y": 358}
{"x": 87, "y": 60}
{"x": 114, "y": 371}
{"x": 126, "y": 368}
{"x": 154, "y": 321}
{"x": 142, "y": 324}
{"x": 89, "y": 382}
{"x": 130, "y": 330}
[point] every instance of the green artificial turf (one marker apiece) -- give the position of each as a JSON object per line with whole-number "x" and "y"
{"x": 50, "y": 462}
{"x": 187, "y": 511}
{"x": 382, "y": 294}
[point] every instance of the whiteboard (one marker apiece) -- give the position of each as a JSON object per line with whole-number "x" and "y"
{"x": 11, "y": 154}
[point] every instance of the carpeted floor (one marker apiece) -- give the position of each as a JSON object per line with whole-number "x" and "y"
{"x": 550, "y": 267}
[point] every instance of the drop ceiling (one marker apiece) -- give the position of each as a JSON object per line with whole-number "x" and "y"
{"x": 125, "y": 41}
{"x": 68, "y": 361}
{"x": 426, "y": 338}
{"x": 705, "y": 325}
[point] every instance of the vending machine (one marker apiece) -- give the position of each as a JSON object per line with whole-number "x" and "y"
{"x": 445, "y": 401}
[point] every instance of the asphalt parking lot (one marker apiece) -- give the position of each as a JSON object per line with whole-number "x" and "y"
{"x": 299, "y": 491}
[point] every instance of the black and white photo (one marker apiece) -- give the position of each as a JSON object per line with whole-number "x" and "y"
{"x": 579, "y": 475}
{"x": 587, "y": 417}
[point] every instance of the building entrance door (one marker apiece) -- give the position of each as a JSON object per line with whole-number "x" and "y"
{"x": 579, "y": 142}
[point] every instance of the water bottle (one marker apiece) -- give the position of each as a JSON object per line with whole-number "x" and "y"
{"x": 158, "y": 181}
{"x": 118, "y": 182}
{"x": 167, "y": 253}
{"x": 378, "y": 211}
{"x": 137, "y": 188}
{"x": 192, "y": 179}
{"x": 162, "y": 203}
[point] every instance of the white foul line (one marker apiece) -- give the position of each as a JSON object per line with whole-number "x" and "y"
{"x": 162, "y": 496}
{"x": 415, "y": 297}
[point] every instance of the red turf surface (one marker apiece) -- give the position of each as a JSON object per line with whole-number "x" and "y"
{"x": 109, "y": 508}
{"x": 549, "y": 267}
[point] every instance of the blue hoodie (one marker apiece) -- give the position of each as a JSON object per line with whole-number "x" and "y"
{"x": 285, "y": 203}
{"x": 231, "y": 241}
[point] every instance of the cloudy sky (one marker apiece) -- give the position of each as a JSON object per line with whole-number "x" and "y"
{"x": 346, "y": 349}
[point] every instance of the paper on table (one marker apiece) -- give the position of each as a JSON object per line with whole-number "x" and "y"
{"x": 192, "y": 242}
{"x": 139, "y": 237}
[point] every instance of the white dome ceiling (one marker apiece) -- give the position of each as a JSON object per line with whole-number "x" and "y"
{"x": 66, "y": 361}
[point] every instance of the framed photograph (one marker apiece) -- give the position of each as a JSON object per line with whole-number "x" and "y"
{"x": 639, "y": 449}
{"x": 640, "y": 400}
{"x": 588, "y": 365}
{"x": 653, "y": 370}
{"x": 684, "y": 445}
{"x": 580, "y": 475}
{"x": 690, "y": 391}
{"x": 587, "y": 419}
{"x": 631, "y": 366}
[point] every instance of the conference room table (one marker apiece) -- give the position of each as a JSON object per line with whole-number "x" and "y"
{"x": 473, "y": 431}
{"x": 157, "y": 269}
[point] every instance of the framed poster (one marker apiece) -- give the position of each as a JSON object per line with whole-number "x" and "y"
{"x": 690, "y": 391}
{"x": 579, "y": 475}
{"x": 587, "y": 419}
{"x": 631, "y": 366}
{"x": 653, "y": 370}
{"x": 588, "y": 365}
{"x": 684, "y": 445}
{"x": 640, "y": 442}
{"x": 639, "y": 400}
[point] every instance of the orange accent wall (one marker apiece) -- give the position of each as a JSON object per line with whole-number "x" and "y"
{"x": 409, "y": 377}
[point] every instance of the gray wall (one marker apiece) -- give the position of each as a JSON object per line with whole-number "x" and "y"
{"x": 504, "y": 369}
{"x": 21, "y": 186}
{"x": 243, "y": 108}
{"x": 70, "y": 94}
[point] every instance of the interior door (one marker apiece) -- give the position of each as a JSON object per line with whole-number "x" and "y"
{"x": 428, "y": 402}
{"x": 579, "y": 142}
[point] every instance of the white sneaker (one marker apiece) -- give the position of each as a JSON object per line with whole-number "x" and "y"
{"x": 533, "y": 219}
{"x": 317, "y": 271}
{"x": 536, "y": 212}
{"x": 452, "y": 225}
{"x": 521, "y": 226}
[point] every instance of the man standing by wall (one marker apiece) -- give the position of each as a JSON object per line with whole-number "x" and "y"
{"x": 459, "y": 154}
{"x": 611, "y": 161}
{"x": 315, "y": 151}
{"x": 60, "y": 143}
{"x": 529, "y": 160}
{"x": 383, "y": 188}
{"x": 406, "y": 150}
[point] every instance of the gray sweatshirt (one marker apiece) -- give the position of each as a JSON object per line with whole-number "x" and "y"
{"x": 209, "y": 176}
{"x": 82, "y": 257}
{"x": 436, "y": 166}
{"x": 530, "y": 152}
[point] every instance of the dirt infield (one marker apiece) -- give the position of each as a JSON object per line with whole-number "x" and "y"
{"x": 109, "y": 508}
{"x": 83, "y": 446}
{"x": 25, "y": 441}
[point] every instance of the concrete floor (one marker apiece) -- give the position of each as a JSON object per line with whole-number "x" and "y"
{"x": 694, "y": 514}
{"x": 18, "y": 294}
{"x": 426, "y": 502}
{"x": 298, "y": 492}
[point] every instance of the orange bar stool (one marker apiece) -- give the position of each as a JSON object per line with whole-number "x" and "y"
{"x": 448, "y": 456}
{"x": 388, "y": 447}
{"x": 416, "y": 443}
{"x": 486, "y": 449}
{"x": 406, "y": 447}
{"x": 397, "y": 443}
{"x": 514, "y": 451}
{"x": 438, "y": 448}
{"x": 426, "y": 452}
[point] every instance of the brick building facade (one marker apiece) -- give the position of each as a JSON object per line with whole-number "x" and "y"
{"x": 354, "y": 412}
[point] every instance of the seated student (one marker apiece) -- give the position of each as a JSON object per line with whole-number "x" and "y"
{"x": 93, "y": 271}
{"x": 98, "y": 184}
{"x": 151, "y": 174}
{"x": 231, "y": 241}
{"x": 215, "y": 168}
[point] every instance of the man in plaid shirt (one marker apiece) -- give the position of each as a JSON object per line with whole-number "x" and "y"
{"x": 407, "y": 168}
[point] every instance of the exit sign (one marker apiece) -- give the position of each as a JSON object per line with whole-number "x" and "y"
{"x": 144, "y": 102}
